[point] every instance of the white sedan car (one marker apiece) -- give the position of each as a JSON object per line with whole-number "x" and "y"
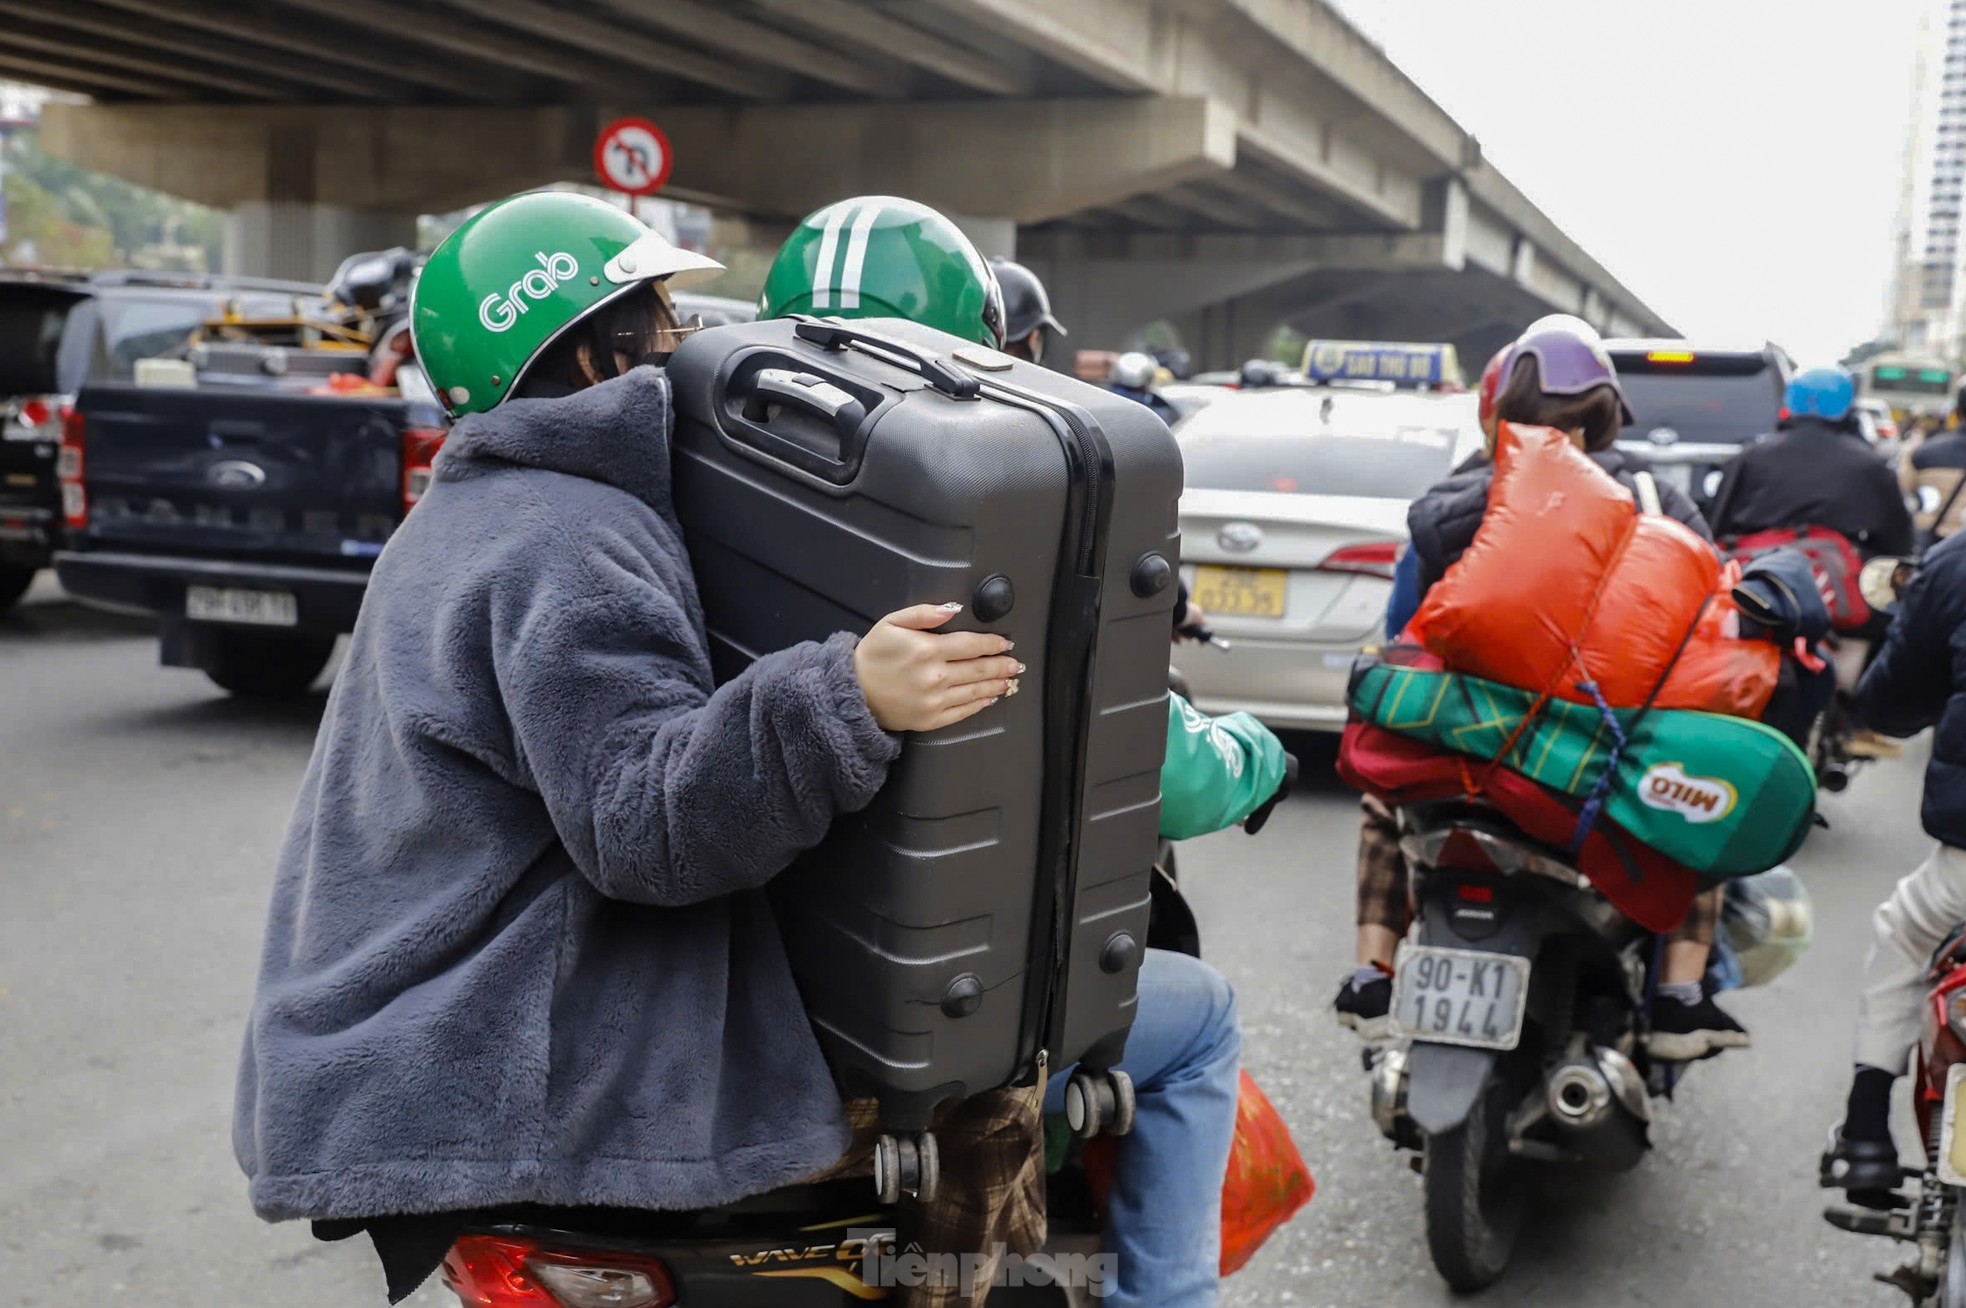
{"x": 1293, "y": 517}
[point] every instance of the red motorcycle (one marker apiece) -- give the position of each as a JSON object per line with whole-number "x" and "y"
{"x": 1931, "y": 1217}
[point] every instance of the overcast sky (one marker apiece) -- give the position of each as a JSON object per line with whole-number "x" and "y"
{"x": 1734, "y": 162}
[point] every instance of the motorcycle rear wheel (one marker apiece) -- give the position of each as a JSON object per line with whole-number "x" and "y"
{"x": 1474, "y": 1196}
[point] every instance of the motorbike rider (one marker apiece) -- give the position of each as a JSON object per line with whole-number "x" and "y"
{"x": 1133, "y": 376}
{"x": 1815, "y": 469}
{"x": 1932, "y": 470}
{"x": 1404, "y": 601}
{"x": 1918, "y": 680}
{"x": 1027, "y": 319}
{"x": 519, "y": 950}
{"x": 1184, "y": 1050}
{"x": 1557, "y": 374}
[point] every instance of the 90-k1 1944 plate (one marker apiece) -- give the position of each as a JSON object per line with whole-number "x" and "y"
{"x": 1460, "y": 996}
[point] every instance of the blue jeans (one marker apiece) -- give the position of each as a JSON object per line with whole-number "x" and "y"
{"x": 1164, "y": 1220}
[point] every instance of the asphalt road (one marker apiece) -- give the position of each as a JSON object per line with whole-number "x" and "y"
{"x": 139, "y": 814}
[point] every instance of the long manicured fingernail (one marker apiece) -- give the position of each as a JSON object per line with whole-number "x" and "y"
{"x": 1020, "y": 669}
{"x": 952, "y": 608}
{"x": 1009, "y": 645}
{"x": 1013, "y": 687}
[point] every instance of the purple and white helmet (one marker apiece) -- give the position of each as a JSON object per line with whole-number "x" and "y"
{"x": 1570, "y": 359}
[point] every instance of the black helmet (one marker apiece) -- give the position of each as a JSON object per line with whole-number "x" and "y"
{"x": 1025, "y": 305}
{"x": 1258, "y": 374}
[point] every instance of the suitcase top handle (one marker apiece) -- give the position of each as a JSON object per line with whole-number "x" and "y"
{"x": 832, "y": 334}
{"x": 805, "y": 392}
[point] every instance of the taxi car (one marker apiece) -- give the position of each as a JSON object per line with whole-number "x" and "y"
{"x": 1294, "y": 515}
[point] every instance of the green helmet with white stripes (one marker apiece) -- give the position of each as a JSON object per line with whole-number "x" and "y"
{"x": 878, "y": 256}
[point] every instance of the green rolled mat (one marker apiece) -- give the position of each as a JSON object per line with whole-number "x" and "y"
{"x": 1726, "y": 796}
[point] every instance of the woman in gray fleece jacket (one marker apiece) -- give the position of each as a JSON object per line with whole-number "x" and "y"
{"x": 518, "y": 948}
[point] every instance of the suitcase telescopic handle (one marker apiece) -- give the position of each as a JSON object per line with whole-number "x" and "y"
{"x": 835, "y": 335}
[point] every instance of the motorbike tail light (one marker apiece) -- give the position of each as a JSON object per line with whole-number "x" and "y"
{"x": 420, "y": 446}
{"x": 35, "y": 413}
{"x": 1472, "y": 849}
{"x": 505, "y": 1271}
{"x": 1956, "y": 1013}
{"x": 1375, "y": 560}
{"x": 69, "y": 467}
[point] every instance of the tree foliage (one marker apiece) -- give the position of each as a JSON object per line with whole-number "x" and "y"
{"x": 60, "y": 214}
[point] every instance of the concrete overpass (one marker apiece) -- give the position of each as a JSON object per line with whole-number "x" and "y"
{"x": 1226, "y": 164}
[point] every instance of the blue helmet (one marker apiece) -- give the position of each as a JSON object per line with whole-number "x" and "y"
{"x": 1826, "y": 392}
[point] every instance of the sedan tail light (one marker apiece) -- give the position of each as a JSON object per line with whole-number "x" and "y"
{"x": 1374, "y": 560}
{"x": 69, "y": 467}
{"x": 504, "y": 1271}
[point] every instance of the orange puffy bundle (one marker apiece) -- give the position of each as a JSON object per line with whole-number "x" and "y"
{"x": 1566, "y": 583}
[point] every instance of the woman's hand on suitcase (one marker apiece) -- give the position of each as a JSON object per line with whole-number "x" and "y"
{"x": 916, "y": 679}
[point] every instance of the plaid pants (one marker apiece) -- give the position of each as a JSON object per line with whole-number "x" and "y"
{"x": 1385, "y": 896}
{"x": 992, "y": 1191}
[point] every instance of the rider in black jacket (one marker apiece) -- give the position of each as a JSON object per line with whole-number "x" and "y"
{"x": 1815, "y": 470}
{"x": 1917, "y": 681}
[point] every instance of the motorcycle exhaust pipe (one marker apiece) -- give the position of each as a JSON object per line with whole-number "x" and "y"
{"x": 1389, "y": 1078}
{"x": 1579, "y": 1094}
{"x": 1598, "y": 1102}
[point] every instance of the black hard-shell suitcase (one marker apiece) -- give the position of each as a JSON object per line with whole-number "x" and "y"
{"x": 985, "y": 918}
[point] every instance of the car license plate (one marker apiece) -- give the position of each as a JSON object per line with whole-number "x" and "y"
{"x": 1677, "y": 475}
{"x": 258, "y": 608}
{"x": 1460, "y": 996}
{"x": 1241, "y": 592}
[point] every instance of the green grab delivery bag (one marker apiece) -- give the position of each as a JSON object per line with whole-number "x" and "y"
{"x": 1726, "y": 796}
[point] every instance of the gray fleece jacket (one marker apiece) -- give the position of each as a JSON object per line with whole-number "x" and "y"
{"x": 518, "y": 949}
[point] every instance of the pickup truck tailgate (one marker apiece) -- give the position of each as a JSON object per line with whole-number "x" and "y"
{"x": 278, "y": 476}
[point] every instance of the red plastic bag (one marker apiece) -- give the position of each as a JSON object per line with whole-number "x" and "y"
{"x": 1567, "y": 583}
{"x": 1266, "y": 1184}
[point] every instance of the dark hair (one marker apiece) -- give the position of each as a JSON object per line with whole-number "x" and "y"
{"x": 1597, "y": 411}
{"x": 632, "y": 316}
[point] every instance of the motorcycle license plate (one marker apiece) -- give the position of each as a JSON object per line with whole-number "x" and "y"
{"x": 1952, "y": 1132}
{"x": 1460, "y": 996}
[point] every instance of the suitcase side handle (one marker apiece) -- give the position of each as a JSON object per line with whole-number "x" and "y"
{"x": 832, "y": 334}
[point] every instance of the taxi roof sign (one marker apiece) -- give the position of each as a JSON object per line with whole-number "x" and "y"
{"x": 1397, "y": 362}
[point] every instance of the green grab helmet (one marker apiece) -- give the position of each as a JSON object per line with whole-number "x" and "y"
{"x": 517, "y": 274}
{"x": 879, "y": 256}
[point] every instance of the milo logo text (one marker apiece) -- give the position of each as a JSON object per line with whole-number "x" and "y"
{"x": 498, "y": 312}
{"x": 1667, "y": 786}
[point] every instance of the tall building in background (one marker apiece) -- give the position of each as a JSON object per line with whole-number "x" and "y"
{"x": 1927, "y": 308}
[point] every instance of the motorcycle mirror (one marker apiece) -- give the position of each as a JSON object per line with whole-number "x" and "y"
{"x": 1882, "y": 579}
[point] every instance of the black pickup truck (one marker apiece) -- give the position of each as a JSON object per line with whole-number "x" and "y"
{"x": 61, "y": 330}
{"x": 247, "y": 516}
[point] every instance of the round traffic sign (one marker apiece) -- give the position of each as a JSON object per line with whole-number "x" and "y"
{"x": 632, "y": 155}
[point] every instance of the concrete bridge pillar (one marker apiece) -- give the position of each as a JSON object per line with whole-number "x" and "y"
{"x": 304, "y": 240}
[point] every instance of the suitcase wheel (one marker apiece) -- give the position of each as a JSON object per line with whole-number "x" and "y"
{"x": 1099, "y": 1103}
{"x": 907, "y": 1165}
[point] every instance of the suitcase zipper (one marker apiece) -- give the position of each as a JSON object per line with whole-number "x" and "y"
{"x": 1076, "y": 607}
